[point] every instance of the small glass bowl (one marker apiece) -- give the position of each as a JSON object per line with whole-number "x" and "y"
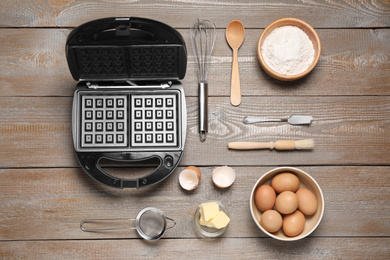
{"x": 208, "y": 231}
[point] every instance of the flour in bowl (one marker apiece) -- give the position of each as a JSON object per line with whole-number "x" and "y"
{"x": 288, "y": 50}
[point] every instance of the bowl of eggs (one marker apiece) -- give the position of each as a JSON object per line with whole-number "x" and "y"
{"x": 287, "y": 204}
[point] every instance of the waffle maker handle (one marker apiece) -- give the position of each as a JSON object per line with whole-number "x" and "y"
{"x": 101, "y": 31}
{"x": 168, "y": 163}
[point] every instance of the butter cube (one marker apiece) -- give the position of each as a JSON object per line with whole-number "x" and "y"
{"x": 208, "y": 210}
{"x": 205, "y": 223}
{"x": 220, "y": 221}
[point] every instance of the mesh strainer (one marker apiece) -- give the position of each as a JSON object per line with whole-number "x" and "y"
{"x": 150, "y": 224}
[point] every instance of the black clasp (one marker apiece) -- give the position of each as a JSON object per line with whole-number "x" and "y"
{"x": 122, "y": 27}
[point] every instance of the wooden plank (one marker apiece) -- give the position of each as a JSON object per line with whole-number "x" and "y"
{"x": 36, "y": 66}
{"x": 36, "y": 131}
{"x": 42, "y": 204}
{"x": 232, "y": 248}
{"x": 254, "y": 14}
{"x": 353, "y": 62}
{"x": 29, "y": 128}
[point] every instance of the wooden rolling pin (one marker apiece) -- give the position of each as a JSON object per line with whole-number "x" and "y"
{"x": 306, "y": 144}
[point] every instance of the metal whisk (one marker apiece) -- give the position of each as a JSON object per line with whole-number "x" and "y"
{"x": 203, "y": 40}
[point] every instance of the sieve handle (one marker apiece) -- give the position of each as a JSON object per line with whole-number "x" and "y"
{"x": 173, "y": 221}
{"x": 91, "y": 221}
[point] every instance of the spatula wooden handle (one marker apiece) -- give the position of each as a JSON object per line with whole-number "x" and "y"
{"x": 235, "y": 88}
{"x": 278, "y": 145}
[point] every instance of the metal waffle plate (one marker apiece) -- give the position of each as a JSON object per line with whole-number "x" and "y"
{"x": 126, "y": 120}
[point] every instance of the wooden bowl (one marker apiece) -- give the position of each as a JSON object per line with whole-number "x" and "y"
{"x": 306, "y": 181}
{"x": 313, "y": 36}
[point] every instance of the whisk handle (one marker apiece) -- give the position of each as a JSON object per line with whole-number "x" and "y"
{"x": 203, "y": 110}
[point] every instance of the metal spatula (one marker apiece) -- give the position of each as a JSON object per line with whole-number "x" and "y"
{"x": 293, "y": 120}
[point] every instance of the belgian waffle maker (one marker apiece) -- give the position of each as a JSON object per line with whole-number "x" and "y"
{"x": 128, "y": 105}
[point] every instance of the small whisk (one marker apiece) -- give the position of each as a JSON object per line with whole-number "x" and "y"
{"x": 203, "y": 39}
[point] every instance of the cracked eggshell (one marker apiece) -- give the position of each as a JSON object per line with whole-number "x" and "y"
{"x": 223, "y": 177}
{"x": 189, "y": 178}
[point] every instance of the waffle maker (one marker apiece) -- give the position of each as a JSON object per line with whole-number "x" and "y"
{"x": 128, "y": 105}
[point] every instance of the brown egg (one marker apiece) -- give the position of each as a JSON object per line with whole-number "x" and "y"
{"x": 286, "y": 202}
{"x": 265, "y": 197}
{"x": 285, "y": 182}
{"x": 293, "y": 224}
{"x": 307, "y": 202}
{"x": 271, "y": 221}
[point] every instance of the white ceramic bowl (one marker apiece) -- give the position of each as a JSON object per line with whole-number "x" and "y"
{"x": 306, "y": 181}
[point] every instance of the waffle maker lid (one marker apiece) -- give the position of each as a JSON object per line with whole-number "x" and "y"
{"x": 128, "y": 48}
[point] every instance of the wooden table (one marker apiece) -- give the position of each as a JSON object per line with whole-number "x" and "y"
{"x": 44, "y": 194}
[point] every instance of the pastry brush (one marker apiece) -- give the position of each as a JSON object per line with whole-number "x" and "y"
{"x": 306, "y": 144}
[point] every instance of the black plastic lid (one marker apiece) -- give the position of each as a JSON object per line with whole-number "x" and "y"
{"x": 126, "y": 49}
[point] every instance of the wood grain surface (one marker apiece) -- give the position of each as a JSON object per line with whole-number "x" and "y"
{"x": 223, "y": 248}
{"x": 29, "y": 192}
{"x": 36, "y": 131}
{"x": 253, "y": 14}
{"x": 38, "y": 67}
{"x": 44, "y": 194}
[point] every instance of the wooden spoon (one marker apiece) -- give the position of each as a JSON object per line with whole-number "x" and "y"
{"x": 235, "y": 34}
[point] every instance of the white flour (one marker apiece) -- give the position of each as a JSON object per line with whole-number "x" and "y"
{"x": 288, "y": 50}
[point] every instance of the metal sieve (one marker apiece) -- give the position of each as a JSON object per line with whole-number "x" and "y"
{"x": 150, "y": 224}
